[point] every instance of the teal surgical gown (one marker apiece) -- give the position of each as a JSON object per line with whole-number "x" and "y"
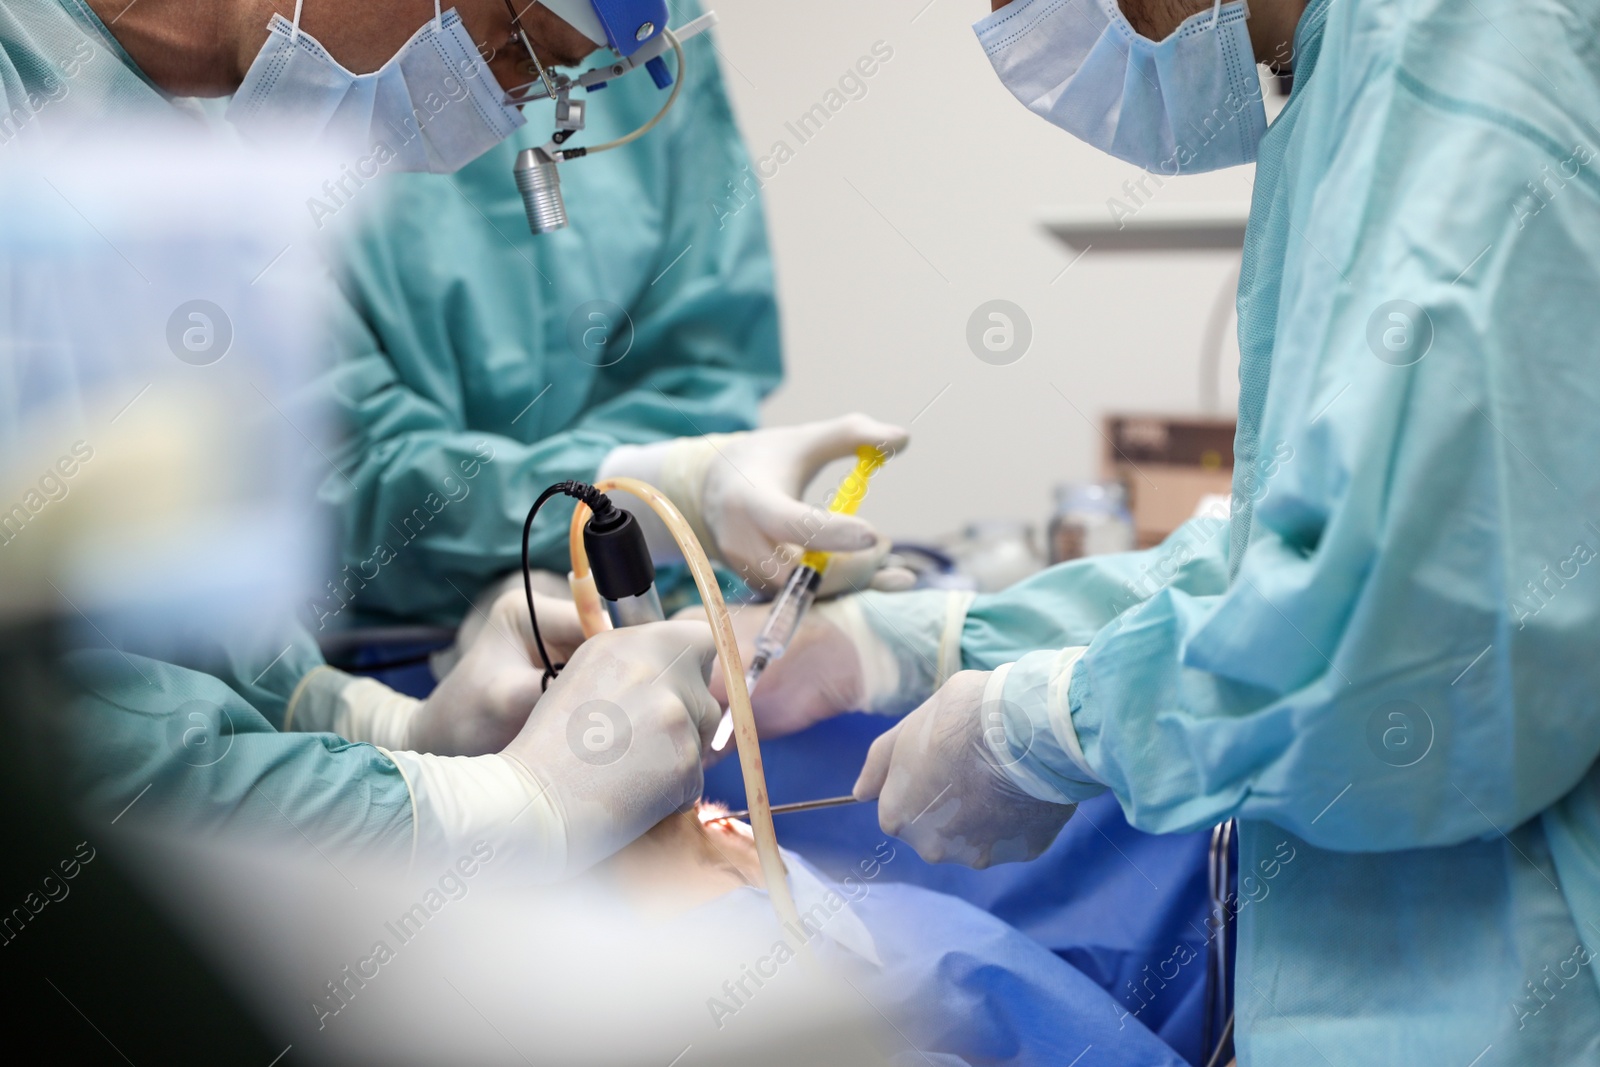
{"x": 60, "y": 71}
{"x": 1385, "y": 667}
{"x": 185, "y": 751}
{"x": 475, "y": 374}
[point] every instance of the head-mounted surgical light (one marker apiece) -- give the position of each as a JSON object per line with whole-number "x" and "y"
{"x": 636, "y": 33}
{"x": 624, "y": 25}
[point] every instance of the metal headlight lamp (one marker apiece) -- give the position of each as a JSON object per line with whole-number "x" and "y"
{"x": 637, "y": 34}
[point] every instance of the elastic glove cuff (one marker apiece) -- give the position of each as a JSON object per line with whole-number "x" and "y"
{"x": 457, "y": 801}
{"x": 1045, "y": 759}
{"x": 683, "y": 478}
{"x": 909, "y": 643}
{"x": 678, "y": 468}
{"x": 357, "y": 709}
{"x": 315, "y": 700}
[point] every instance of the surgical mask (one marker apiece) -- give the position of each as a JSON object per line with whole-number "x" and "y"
{"x": 434, "y": 107}
{"x": 1189, "y": 104}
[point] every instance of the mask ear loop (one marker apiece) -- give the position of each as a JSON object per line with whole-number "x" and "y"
{"x": 438, "y": 15}
{"x": 295, "y": 37}
{"x": 1216, "y": 12}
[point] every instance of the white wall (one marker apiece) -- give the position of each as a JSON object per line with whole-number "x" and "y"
{"x": 922, "y": 200}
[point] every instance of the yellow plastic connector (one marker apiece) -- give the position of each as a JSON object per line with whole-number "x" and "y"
{"x": 848, "y": 497}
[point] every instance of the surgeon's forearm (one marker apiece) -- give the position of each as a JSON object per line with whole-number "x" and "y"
{"x": 330, "y": 701}
{"x": 459, "y": 800}
{"x": 1030, "y": 699}
{"x": 919, "y": 639}
{"x": 909, "y": 643}
{"x": 1069, "y": 603}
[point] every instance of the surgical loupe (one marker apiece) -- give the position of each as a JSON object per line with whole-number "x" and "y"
{"x": 535, "y": 172}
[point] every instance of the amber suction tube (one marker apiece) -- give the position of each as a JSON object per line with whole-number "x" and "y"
{"x": 594, "y": 619}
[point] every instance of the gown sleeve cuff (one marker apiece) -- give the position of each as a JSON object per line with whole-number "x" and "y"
{"x": 909, "y": 643}
{"x": 1030, "y": 697}
{"x": 459, "y": 801}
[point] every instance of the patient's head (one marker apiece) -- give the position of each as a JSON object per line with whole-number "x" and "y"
{"x": 685, "y": 860}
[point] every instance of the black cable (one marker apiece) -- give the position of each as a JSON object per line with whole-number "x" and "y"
{"x": 598, "y": 503}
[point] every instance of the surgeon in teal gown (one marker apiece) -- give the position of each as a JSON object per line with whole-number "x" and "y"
{"x": 477, "y": 346}
{"x": 1384, "y": 666}
{"x": 305, "y": 750}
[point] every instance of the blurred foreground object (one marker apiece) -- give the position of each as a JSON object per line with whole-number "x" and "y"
{"x": 156, "y": 321}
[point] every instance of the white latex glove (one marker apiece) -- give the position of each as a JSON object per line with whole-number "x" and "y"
{"x": 618, "y": 738}
{"x": 941, "y": 783}
{"x": 840, "y": 661}
{"x": 742, "y": 494}
{"x": 612, "y": 749}
{"x": 820, "y": 675}
{"x": 485, "y": 699}
{"x": 478, "y": 707}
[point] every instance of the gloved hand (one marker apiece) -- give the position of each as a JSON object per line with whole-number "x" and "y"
{"x": 942, "y": 788}
{"x": 741, "y": 493}
{"x": 485, "y": 699}
{"x": 616, "y": 742}
{"x": 611, "y": 749}
{"x": 817, "y": 678}
{"x": 479, "y": 705}
{"x": 848, "y": 656}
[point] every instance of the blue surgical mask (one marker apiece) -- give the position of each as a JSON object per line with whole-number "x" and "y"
{"x": 434, "y": 107}
{"x": 1188, "y": 104}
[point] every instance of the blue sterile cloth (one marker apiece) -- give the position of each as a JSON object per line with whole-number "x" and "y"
{"x": 958, "y": 985}
{"x": 1121, "y": 906}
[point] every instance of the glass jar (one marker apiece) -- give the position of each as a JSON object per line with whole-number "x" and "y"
{"x": 1091, "y": 519}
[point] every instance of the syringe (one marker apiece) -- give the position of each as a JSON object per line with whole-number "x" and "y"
{"x": 791, "y": 605}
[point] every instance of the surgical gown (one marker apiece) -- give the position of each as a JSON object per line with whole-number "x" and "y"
{"x": 60, "y": 68}
{"x": 483, "y": 363}
{"x": 1385, "y": 666}
{"x": 159, "y": 745}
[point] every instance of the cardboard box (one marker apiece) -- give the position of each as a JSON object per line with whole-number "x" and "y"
{"x": 1168, "y": 463}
